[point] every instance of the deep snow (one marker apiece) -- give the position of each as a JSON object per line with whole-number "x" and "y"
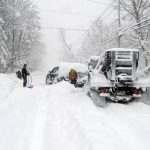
{"x": 61, "y": 117}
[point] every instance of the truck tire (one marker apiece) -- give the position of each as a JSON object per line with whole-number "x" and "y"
{"x": 97, "y": 100}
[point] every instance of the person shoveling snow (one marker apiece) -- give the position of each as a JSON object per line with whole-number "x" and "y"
{"x": 73, "y": 76}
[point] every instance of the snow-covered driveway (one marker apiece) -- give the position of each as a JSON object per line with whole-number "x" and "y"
{"x": 61, "y": 117}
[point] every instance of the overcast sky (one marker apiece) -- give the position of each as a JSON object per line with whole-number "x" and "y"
{"x": 53, "y": 19}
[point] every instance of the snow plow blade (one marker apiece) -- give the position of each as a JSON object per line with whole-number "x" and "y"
{"x": 145, "y": 97}
{"x": 97, "y": 100}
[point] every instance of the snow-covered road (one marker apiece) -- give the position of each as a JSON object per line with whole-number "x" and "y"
{"x": 61, "y": 117}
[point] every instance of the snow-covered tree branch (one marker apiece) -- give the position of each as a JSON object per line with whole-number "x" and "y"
{"x": 21, "y": 27}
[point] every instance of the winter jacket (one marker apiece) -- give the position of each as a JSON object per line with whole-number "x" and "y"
{"x": 24, "y": 72}
{"x": 73, "y": 75}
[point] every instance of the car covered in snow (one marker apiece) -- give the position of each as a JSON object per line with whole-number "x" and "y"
{"x": 61, "y": 72}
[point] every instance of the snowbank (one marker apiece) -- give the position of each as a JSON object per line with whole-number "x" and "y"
{"x": 64, "y": 88}
{"x": 62, "y": 117}
{"x": 6, "y": 85}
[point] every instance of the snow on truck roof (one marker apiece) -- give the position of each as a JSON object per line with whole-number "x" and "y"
{"x": 122, "y": 49}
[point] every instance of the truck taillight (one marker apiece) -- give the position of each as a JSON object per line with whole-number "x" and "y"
{"x": 102, "y": 90}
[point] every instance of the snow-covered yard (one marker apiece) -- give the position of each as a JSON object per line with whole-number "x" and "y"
{"x": 61, "y": 117}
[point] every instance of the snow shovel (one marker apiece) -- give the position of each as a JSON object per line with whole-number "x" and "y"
{"x": 29, "y": 85}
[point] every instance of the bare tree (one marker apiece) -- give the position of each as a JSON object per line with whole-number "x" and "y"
{"x": 137, "y": 11}
{"x": 97, "y": 35}
{"x": 3, "y": 49}
{"x": 21, "y": 26}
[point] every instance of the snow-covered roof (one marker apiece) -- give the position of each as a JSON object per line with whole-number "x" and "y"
{"x": 122, "y": 49}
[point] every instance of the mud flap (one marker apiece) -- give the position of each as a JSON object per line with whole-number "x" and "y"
{"x": 97, "y": 100}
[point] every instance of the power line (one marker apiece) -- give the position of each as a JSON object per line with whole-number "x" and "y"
{"x": 111, "y": 37}
{"x": 105, "y": 11}
{"x": 92, "y": 30}
{"x": 69, "y": 29}
{"x": 107, "y": 15}
{"x": 136, "y": 24}
{"x": 132, "y": 29}
{"x": 66, "y": 13}
{"x": 115, "y": 35}
{"x": 98, "y": 2}
{"x": 101, "y": 15}
{"x": 77, "y": 29}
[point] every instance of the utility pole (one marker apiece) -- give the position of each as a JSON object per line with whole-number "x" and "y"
{"x": 119, "y": 25}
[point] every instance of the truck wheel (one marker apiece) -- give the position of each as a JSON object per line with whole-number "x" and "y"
{"x": 97, "y": 100}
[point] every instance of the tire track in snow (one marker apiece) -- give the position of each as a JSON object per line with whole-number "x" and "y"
{"x": 69, "y": 110}
{"x": 97, "y": 127}
{"x": 38, "y": 132}
{"x": 37, "y": 137}
{"x": 62, "y": 117}
{"x": 131, "y": 122}
{"x": 63, "y": 130}
{"x": 17, "y": 121}
{"x": 11, "y": 86}
{"x": 113, "y": 131}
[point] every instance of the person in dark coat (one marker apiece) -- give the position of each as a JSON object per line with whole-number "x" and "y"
{"x": 25, "y": 73}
